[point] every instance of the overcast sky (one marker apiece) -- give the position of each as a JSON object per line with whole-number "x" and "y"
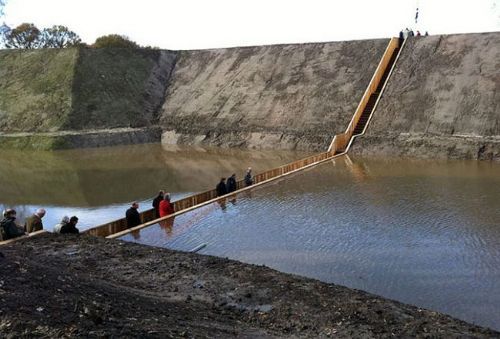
{"x": 188, "y": 24}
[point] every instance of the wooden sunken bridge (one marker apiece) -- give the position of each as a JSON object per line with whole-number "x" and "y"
{"x": 340, "y": 146}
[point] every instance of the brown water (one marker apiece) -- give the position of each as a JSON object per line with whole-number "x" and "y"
{"x": 98, "y": 184}
{"x": 421, "y": 232}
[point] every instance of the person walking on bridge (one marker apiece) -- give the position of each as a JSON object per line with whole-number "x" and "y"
{"x": 132, "y": 215}
{"x": 34, "y": 223}
{"x": 8, "y": 227}
{"x": 156, "y": 203}
{"x": 166, "y": 207}
{"x": 231, "y": 183}
{"x": 248, "y": 177}
{"x": 64, "y": 221}
{"x": 221, "y": 187}
{"x": 70, "y": 227}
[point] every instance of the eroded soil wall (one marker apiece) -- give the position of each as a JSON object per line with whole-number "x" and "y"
{"x": 282, "y": 96}
{"x": 443, "y": 100}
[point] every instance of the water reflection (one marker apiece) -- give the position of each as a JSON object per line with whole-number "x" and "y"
{"x": 99, "y": 184}
{"x": 422, "y": 232}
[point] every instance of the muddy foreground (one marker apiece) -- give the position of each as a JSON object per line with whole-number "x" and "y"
{"x": 56, "y": 286}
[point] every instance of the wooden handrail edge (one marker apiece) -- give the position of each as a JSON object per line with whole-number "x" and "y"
{"x": 33, "y": 234}
{"x": 378, "y": 99}
{"x": 367, "y": 92}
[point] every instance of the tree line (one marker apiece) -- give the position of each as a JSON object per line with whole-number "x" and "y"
{"x": 28, "y": 36}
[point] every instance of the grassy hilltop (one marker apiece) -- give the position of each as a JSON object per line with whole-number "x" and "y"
{"x": 53, "y": 90}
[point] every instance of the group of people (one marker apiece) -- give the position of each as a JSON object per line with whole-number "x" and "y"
{"x": 10, "y": 229}
{"x": 161, "y": 204}
{"x": 231, "y": 185}
{"x": 406, "y": 33}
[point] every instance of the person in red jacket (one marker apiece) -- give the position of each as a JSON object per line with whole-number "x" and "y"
{"x": 166, "y": 207}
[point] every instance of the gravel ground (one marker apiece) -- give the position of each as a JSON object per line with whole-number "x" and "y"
{"x": 80, "y": 286}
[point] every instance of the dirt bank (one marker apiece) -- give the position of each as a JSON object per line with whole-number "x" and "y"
{"x": 80, "y": 139}
{"x": 283, "y": 96}
{"x": 53, "y": 286}
{"x": 443, "y": 100}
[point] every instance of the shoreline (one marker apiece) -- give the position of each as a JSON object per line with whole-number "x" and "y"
{"x": 51, "y": 141}
{"x": 418, "y": 146}
{"x": 100, "y": 287}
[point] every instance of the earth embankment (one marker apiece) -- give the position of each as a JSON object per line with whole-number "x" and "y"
{"x": 442, "y": 100}
{"x": 67, "y": 98}
{"x": 284, "y": 96}
{"x": 68, "y": 286}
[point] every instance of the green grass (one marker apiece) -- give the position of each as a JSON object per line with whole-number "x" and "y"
{"x": 34, "y": 142}
{"x": 35, "y": 89}
{"x": 74, "y": 89}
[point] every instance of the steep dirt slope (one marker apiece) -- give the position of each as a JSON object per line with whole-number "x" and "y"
{"x": 284, "y": 96}
{"x": 443, "y": 100}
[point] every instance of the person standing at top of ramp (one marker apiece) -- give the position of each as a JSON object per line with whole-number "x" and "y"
{"x": 34, "y": 223}
{"x": 406, "y": 33}
{"x": 248, "y": 177}
{"x": 156, "y": 203}
{"x": 166, "y": 207}
{"x": 132, "y": 215}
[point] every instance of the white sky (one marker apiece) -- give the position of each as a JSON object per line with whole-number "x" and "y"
{"x": 189, "y": 24}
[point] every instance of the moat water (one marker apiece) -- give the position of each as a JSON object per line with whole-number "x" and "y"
{"x": 99, "y": 184}
{"x": 425, "y": 233}
{"x": 421, "y": 232}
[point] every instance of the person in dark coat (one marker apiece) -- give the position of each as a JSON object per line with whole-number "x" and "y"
{"x": 401, "y": 38}
{"x": 70, "y": 227}
{"x": 221, "y": 187}
{"x": 9, "y": 229}
{"x": 132, "y": 215}
{"x": 248, "y": 177}
{"x": 156, "y": 203}
{"x": 231, "y": 183}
